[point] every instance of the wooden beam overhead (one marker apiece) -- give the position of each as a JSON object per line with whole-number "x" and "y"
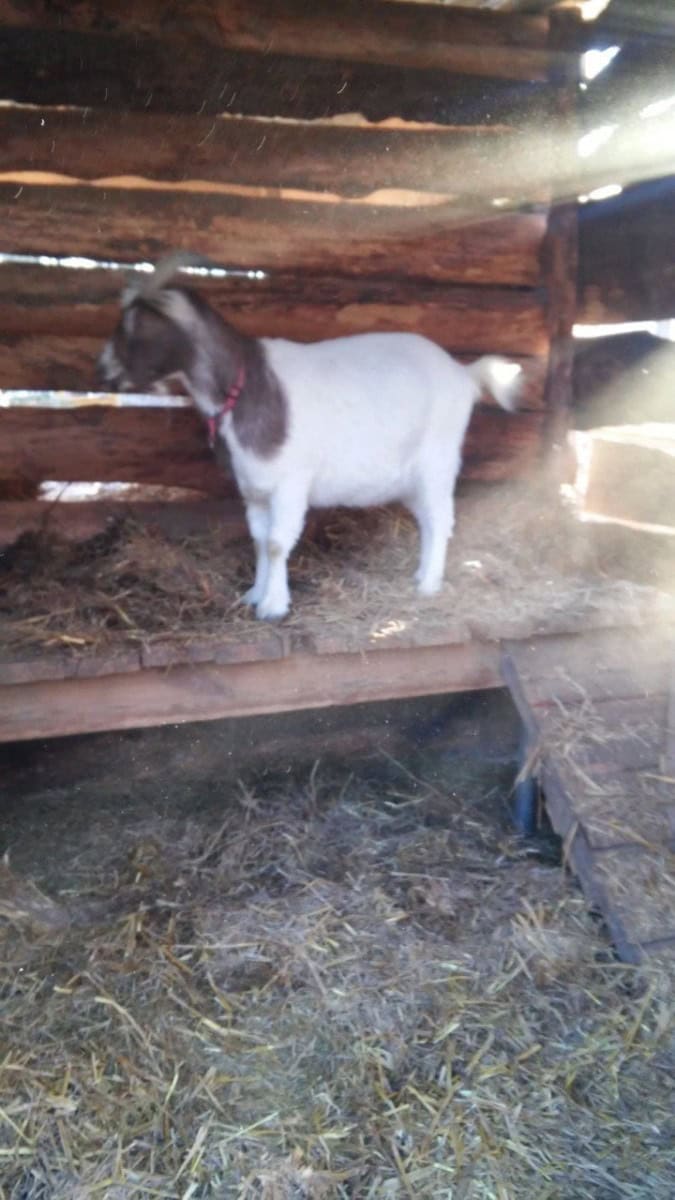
{"x": 149, "y": 74}
{"x": 400, "y": 35}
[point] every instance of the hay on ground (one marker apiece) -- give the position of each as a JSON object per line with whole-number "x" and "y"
{"x": 335, "y": 985}
{"x": 519, "y": 564}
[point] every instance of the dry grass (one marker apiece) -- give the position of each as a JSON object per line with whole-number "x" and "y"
{"x": 519, "y": 564}
{"x": 335, "y": 985}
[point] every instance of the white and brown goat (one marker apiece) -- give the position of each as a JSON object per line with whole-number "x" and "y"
{"x": 355, "y": 421}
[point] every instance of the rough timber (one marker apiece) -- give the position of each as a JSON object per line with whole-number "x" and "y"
{"x": 598, "y": 711}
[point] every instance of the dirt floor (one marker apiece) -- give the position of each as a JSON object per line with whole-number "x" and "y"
{"x": 520, "y": 563}
{"x": 301, "y": 979}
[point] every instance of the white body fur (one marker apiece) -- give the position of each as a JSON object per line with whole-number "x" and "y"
{"x": 371, "y": 419}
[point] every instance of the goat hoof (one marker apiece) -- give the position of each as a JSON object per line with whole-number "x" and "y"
{"x": 267, "y": 610}
{"x": 265, "y": 614}
{"x": 425, "y": 588}
{"x": 251, "y": 597}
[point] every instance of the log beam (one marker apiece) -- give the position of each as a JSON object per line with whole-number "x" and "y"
{"x": 367, "y": 31}
{"x": 343, "y": 158}
{"x": 54, "y": 320}
{"x": 142, "y": 698}
{"x": 434, "y": 242}
{"x": 168, "y": 447}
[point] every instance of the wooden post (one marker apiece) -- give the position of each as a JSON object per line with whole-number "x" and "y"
{"x": 560, "y": 257}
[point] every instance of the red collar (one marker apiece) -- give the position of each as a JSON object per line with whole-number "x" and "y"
{"x": 213, "y": 423}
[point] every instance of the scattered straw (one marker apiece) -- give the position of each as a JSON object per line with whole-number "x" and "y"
{"x": 519, "y": 564}
{"x": 355, "y": 986}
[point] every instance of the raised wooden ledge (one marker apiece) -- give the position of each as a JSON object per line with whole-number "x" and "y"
{"x": 134, "y": 697}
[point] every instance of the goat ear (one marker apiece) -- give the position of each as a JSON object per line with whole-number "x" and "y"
{"x": 175, "y": 305}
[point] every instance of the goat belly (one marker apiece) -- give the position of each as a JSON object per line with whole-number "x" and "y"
{"x": 328, "y": 492}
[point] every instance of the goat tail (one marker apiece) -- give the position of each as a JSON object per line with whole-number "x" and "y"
{"x": 501, "y": 378}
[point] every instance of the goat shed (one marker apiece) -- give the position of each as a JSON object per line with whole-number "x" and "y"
{"x": 408, "y": 167}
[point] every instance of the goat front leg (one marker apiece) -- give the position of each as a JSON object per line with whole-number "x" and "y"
{"x": 258, "y": 520}
{"x": 288, "y": 506}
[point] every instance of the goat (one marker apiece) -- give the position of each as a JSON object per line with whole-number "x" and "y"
{"x": 357, "y": 421}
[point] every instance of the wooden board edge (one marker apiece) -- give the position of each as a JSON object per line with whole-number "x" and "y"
{"x": 208, "y": 692}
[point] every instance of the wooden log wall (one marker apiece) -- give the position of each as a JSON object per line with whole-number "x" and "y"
{"x": 390, "y": 170}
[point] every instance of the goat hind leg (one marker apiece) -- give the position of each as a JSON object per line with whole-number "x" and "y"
{"x": 434, "y": 513}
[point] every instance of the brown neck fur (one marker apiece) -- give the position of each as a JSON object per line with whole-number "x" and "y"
{"x": 260, "y": 416}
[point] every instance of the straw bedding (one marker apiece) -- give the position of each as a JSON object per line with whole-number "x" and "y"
{"x": 520, "y": 563}
{"x": 338, "y": 983}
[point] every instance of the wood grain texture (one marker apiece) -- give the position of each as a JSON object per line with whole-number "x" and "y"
{"x": 168, "y": 447}
{"x": 147, "y": 73}
{"x": 560, "y": 258}
{"x": 403, "y": 35}
{"x": 348, "y": 160}
{"x": 433, "y": 242}
{"x": 591, "y": 748}
{"x": 45, "y": 362}
{"x": 59, "y": 302}
{"x": 77, "y": 521}
{"x": 141, "y": 698}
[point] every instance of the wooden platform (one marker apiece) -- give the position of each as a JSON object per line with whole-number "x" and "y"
{"x": 52, "y": 695}
{"x": 599, "y": 711}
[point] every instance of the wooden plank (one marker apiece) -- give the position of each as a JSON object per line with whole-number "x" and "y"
{"x": 77, "y": 521}
{"x": 431, "y": 242}
{"x": 616, "y": 808}
{"x": 559, "y": 262}
{"x": 560, "y": 265}
{"x": 182, "y": 74}
{"x": 346, "y": 159}
{"x": 208, "y": 692}
{"x": 608, "y": 733}
{"x": 630, "y": 480}
{"x": 560, "y": 809}
{"x": 168, "y": 446}
{"x": 613, "y": 682}
{"x": 42, "y": 362}
{"x": 640, "y": 889}
{"x": 402, "y": 35}
{"x": 609, "y": 664}
{"x": 631, "y": 885}
{"x": 25, "y": 665}
{"x": 622, "y": 884}
{"x": 36, "y": 300}
{"x": 161, "y": 446}
{"x": 580, "y": 858}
